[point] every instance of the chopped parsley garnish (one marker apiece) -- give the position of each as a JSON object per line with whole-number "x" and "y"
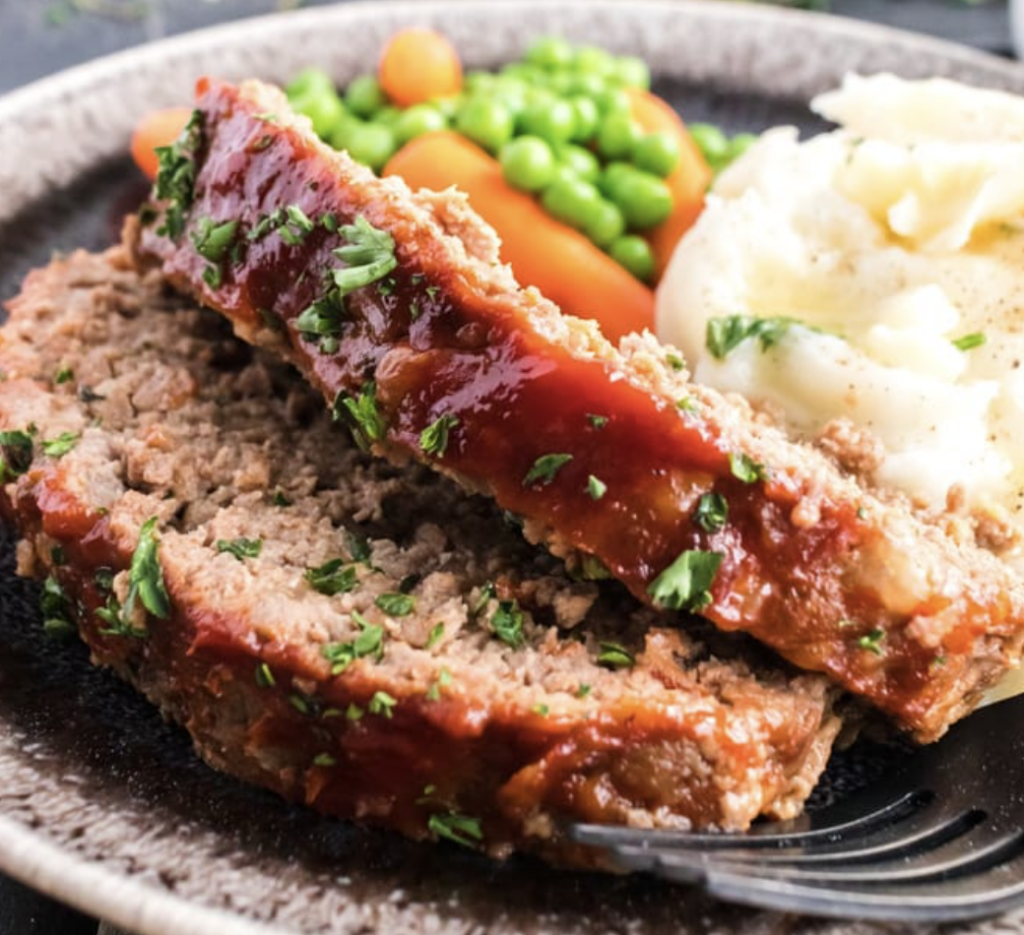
{"x": 369, "y": 643}
{"x": 487, "y": 593}
{"x": 324, "y": 759}
{"x": 369, "y": 255}
{"x": 596, "y": 421}
{"x": 687, "y": 404}
{"x": 15, "y": 454}
{"x": 176, "y": 176}
{"x": 61, "y": 445}
{"x": 592, "y": 568}
{"x": 64, "y": 375}
{"x": 396, "y": 605}
{"x": 434, "y": 438}
{"x": 322, "y": 319}
{"x": 353, "y": 712}
{"x": 264, "y": 676}
{"x": 145, "y": 584}
{"x": 745, "y": 468}
{"x": 675, "y": 361}
{"x": 725, "y": 334}
{"x": 686, "y": 583}
{"x": 56, "y": 609}
{"x": 368, "y": 423}
{"x": 382, "y": 703}
{"x": 279, "y": 499}
{"x": 460, "y": 829}
{"x": 596, "y": 487}
{"x": 116, "y": 624}
{"x": 444, "y": 678}
{"x": 436, "y": 633}
{"x": 542, "y": 709}
{"x": 359, "y": 547}
{"x": 545, "y": 468}
{"x": 145, "y": 577}
{"x": 969, "y": 341}
{"x": 333, "y": 577}
{"x": 583, "y": 690}
{"x": 507, "y": 623}
{"x": 872, "y": 641}
{"x": 241, "y": 547}
{"x": 712, "y": 512}
{"x": 296, "y": 226}
{"x": 614, "y": 656}
{"x": 212, "y": 240}
{"x": 301, "y": 703}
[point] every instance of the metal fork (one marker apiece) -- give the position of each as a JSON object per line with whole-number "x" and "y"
{"x": 939, "y": 839}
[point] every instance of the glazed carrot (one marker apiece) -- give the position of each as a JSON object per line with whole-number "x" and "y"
{"x": 418, "y": 65}
{"x": 542, "y": 251}
{"x": 159, "y": 128}
{"x": 688, "y": 181}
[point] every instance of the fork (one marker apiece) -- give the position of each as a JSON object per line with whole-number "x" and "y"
{"x": 939, "y": 839}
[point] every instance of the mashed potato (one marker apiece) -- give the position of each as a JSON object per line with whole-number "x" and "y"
{"x": 886, "y": 262}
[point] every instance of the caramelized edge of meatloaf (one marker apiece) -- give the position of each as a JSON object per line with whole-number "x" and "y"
{"x": 369, "y": 640}
{"x": 898, "y": 608}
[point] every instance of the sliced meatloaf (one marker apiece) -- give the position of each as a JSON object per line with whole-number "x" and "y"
{"x": 395, "y": 307}
{"x": 366, "y": 639}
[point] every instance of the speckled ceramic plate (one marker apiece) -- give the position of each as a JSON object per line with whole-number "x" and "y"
{"x": 101, "y": 803}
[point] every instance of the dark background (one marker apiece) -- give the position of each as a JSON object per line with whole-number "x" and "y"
{"x": 40, "y": 37}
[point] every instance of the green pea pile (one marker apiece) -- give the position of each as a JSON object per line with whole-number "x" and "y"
{"x": 559, "y": 123}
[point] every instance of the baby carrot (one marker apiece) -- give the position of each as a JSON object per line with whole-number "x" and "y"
{"x": 159, "y": 128}
{"x": 418, "y": 65}
{"x": 542, "y": 251}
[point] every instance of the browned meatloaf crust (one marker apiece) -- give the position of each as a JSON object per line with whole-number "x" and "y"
{"x": 889, "y": 604}
{"x": 453, "y": 705}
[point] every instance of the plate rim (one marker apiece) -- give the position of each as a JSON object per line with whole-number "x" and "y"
{"x": 27, "y": 854}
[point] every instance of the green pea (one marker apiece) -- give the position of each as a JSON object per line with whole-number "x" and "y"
{"x": 571, "y": 200}
{"x": 387, "y": 115}
{"x": 485, "y": 121}
{"x": 582, "y": 162}
{"x": 586, "y": 118}
{"x": 417, "y": 120}
{"x": 611, "y": 178}
{"x": 635, "y": 254}
{"x": 740, "y": 143}
{"x": 364, "y": 96}
{"x": 711, "y": 141}
{"x": 554, "y": 121}
{"x": 323, "y": 109}
{"x": 587, "y": 84}
{"x": 550, "y": 52}
{"x": 343, "y": 129}
{"x": 448, "y": 106}
{"x": 632, "y": 72}
{"x": 527, "y": 162}
{"x": 605, "y": 223}
{"x": 613, "y": 101}
{"x": 479, "y": 81}
{"x": 657, "y": 153}
{"x": 311, "y": 81}
{"x": 645, "y": 200}
{"x": 589, "y": 58}
{"x": 372, "y": 144}
{"x": 617, "y": 135}
{"x": 559, "y": 82}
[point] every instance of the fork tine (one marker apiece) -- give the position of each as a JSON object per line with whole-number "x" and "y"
{"x": 959, "y": 899}
{"x": 767, "y": 836}
{"x": 940, "y": 864}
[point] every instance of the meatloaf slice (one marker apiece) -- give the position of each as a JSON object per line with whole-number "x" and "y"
{"x": 371, "y": 641}
{"x": 395, "y": 306}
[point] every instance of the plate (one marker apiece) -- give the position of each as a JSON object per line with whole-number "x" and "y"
{"x": 102, "y": 804}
